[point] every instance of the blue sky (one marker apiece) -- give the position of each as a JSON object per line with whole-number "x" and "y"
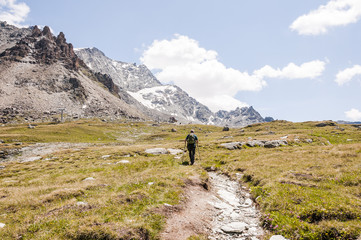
{"x": 292, "y": 60}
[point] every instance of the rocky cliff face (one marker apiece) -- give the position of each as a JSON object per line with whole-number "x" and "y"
{"x": 127, "y": 76}
{"x": 40, "y": 74}
{"x": 10, "y": 35}
{"x": 141, "y": 84}
{"x": 238, "y": 117}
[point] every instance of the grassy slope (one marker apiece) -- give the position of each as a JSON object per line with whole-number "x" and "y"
{"x": 305, "y": 190}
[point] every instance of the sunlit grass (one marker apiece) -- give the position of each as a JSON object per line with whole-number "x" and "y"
{"x": 306, "y": 190}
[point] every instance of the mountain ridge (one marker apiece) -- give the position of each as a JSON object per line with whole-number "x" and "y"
{"x": 169, "y": 99}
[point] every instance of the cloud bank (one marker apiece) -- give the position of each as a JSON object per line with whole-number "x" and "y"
{"x": 13, "y": 12}
{"x": 353, "y": 114}
{"x": 347, "y": 75}
{"x": 198, "y": 71}
{"x": 334, "y": 13}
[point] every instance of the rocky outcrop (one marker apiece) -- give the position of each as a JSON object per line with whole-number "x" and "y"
{"x": 41, "y": 47}
{"x": 238, "y": 117}
{"x": 255, "y": 143}
{"x": 40, "y": 74}
{"x": 127, "y": 76}
{"x": 10, "y": 35}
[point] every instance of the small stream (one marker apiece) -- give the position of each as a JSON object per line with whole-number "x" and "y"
{"x": 236, "y": 216}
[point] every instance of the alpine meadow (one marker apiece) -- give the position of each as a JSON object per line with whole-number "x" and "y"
{"x": 180, "y": 120}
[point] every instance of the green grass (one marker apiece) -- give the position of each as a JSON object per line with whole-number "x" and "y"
{"x": 304, "y": 190}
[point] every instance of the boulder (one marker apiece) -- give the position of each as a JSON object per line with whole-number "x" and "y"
{"x": 324, "y": 124}
{"x": 275, "y": 143}
{"x": 123, "y": 161}
{"x": 232, "y": 145}
{"x": 174, "y": 151}
{"x": 156, "y": 151}
{"x": 255, "y": 143}
{"x": 278, "y": 237}
{"x": 89, "y": 179}
{"x": 225, "y": 129}
{"x": 235, "y": 227}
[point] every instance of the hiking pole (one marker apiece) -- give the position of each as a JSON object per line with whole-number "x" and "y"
{"x": 199, "y": 155}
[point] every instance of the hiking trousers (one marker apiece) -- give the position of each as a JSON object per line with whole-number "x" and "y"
{"x": 192, "y": 152}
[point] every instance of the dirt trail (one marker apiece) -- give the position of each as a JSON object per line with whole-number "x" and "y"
{"x": 225, "y": 212}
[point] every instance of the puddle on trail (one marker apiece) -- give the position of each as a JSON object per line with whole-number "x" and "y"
{"x": 236, "y": 216}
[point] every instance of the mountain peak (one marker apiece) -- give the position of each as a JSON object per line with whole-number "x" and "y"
{"x": 42, "y": 47}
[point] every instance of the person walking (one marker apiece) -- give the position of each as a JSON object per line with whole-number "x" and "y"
{"x": 192, "y": 142}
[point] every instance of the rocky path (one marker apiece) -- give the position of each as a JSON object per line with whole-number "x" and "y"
{"x": 224, "y": 212}
{"x": 236, "y": 215}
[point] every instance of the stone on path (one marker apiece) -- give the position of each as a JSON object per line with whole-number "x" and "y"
{"x": 235, "y": 227}
{"x": 278, "y": 237}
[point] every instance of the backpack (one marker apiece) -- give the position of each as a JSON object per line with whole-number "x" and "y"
{"x": 191, "y": 139}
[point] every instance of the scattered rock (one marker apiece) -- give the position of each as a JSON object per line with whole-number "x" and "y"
{"x": 324, "y": 124}
{"x": 2, "y": 167}
{"x": 156, "y": 151}
{"x": 309, "y": 141}
{"x": 349, "y": 140}
{"x": 277, "y": 237}
{"x": 18, "y": 144}
{"x": 123, "y": 161}
{"x": 234, "y": 227}
{"x": 2, "y": 141}
{"x": 225, "y": 129}
{"x": 275, "y": 143}
{"x": 173, "y": 130}
{"x": 174, "y": 151}
{"x": 89, "y": 179}
{"x": 82, "y": 204}
{"x": 2, "y": 225}
{"x": 167, "y": 205}
{"x": 30, "y": 126}
{"x": 150, "y": 183}
{"x": 255, "y": 143}
{"x": 232, "y": 145}
{"x": 106, "y": 156}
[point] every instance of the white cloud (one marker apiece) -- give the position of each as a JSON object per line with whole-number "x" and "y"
{"x": 224, "y": 102}
{"x": 353, "y": 114}
{"x": 346, "y": 75}
{"x": 334, "y": 13}
{"x": 311, "y": 70}
{"x": 196, "y": 70}
{"x": 13, "y": 12}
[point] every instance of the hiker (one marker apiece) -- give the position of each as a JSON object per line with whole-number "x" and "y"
{"x": 192, "y": 143}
